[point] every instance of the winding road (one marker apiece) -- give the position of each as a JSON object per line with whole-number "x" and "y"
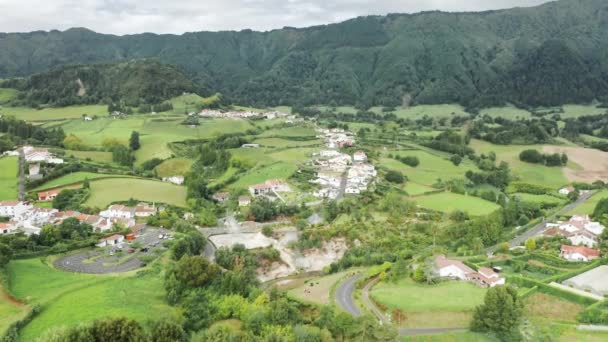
{"x": 344, "y": 295}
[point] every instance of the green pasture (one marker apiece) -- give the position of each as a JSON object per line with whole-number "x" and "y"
{"x": 10, "y": 310}
{"x": 173, "y": 167}
{"x": 295, "y": 131}
{"x": 573, "y": 111}
{"x": 69, "y": 299}
{"x": 95, "y": 156}
{"x": 448, "y": 202}
{"x": 458, "y": 336}
{"x": 52, "y": 113}
{"x": 435, "y": 111}
{"x": 281, "y": 143}
{"x": 106, "y": 191}
{"x": 278, "y": 170}
{"x": 432, "y": 167}
{"x": 9, "y": 178}
{"x": 587, "y": 207}
{"x": 414, "y": 189}
{"x": 445, "y": 304}
{"x": 539, "y": 198}
{"x": 7, "y": 94}
{"x": 526, "y": 172}
{"x": 76, "y": 177}
{"x": 508, "y": 112}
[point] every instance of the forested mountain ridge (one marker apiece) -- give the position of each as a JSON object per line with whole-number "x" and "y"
{"x": 546, "y": 55}
{"x": 134, "y": 83}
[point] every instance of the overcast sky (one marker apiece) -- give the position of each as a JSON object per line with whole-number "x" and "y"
{"x": 178, "y": 16}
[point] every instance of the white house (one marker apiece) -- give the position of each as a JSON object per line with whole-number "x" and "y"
{"x": 118, "y": 211}
{"x": 448, "y": 268}
{"x": 7, "y": 228}
{"x": 144, "y": 210}
{"x": 567, "y": 190}
{"x": 329, "y": 153}
{"x": 486, "y": 277}
{"x": 578, "y": 253}
{"x": 177, "y": 180}
{"x": 270, "y": 186}
{"x": 14, "y": 208}
{"x": 244, "y": 201}
{"x": 111, "y": 240}
{"x": 583, "y": 238}
{"x": 360, "y": 156}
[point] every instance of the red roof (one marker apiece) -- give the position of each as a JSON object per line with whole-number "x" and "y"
{"x": 9, "y": 203}
{"x": 113, "y": 237}
{"x": 442, "y": 262}
{"x": 582, "y": 250}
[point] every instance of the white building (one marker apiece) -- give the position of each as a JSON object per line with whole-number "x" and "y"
{"x": 177, "y": 180}
{"x": 7, "y": 228}
{"x": 360, "y": 156}
{"x": 578, "y": 253}
{"x": 14, "y": 208}
{"x": 116, "y": 239}
{"x": 329, "y": 153}
{"x": 454, "y": 269}
{"x": 118, "y": 211}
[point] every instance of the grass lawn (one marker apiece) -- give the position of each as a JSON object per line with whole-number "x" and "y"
{"x": 173, "y": 167}
{"x": 539, "y": 198}
{"x": 448, "y": 202}
{"x": 448, "y": 304}
{"x": 106, "y": 191}
{"x": 279, "y": 142}
{"x": 526, "y": 172}
{"x": 437, "y": 111}
{"x": 583, "y": 336}
{"x": 414, "y": 189}
{"x": 258, "y": 175}
{"x": 509, "y": 112}
{"x": 574, "y": 111}
{"x": 320, "y": 291}
{"x": 9, "y": 170}
{"x": 295, "y": 131}
{"x": 70, "y": 299}
{"x": 431, "y": 168}
{"x": 545, "y": 307}
{"x": 49, "y": 114}
{"x": 96, "y": 156}
{"x": 10, "y": 310}
{"x": 588, "y": 206}
{"x": 458, "y": 336}
{"x": 73, "y": 178}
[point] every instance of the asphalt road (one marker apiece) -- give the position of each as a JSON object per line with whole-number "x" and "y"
{"x": 518, "y": 240}
{"x": 344, "y": 295}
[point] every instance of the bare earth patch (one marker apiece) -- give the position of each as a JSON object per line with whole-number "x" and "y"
{"x": 594, "y": 163}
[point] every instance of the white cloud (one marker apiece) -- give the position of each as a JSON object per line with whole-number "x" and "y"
{"x": 162, "y": 16}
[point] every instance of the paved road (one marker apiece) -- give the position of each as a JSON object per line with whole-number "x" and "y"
{"x": 541, "y": 226}
{"x": 344, "y": 295}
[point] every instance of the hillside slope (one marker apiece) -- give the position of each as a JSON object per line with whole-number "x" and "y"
{"x": 135, "y": 82}
{"x": 545, "y": 55}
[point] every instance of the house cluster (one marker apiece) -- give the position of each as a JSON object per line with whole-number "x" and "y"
{"x": 177, "y": 180}
{"x": 270, "y": 187}
{"x": 359, "y": 176}
{"x": 454, "y": 269}
{"x": 332, "y": 166}
{"x": 29, "y": 219}
{"x": 211, "y": 113}
{"x": 336, "y": 137}
{"x": 579, "y": 230}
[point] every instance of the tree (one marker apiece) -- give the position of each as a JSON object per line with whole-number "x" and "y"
{"x": 72, "y": 142}
{"x": 530, "y": 245}
{"x": 456, "y": 159}
{"x": 86, "y": 184}
{"x": 122, "y": 155}
{"x": 500, "y": 313}
{"x": 601, "y": 208}
{"x": 6, "y": 253}
{"x": 118, "y": 330}
{"x": 192, "y": 244}
{"x": 134, "y": 141}
{"x": 395, "y": 177}
{"x": 166, "y": 331}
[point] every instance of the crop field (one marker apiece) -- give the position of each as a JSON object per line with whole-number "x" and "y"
{"x": 431, "y": 168}
{"x": 543, "y": 306}
{"x": 173, "y": 167}
{"x": 9, "y": 169}
{"x": 448, "y": 202}
{"x": 90, "y": 296}
{"x": 593, "y": 164}
{"x": 76, "y": 177}
{"x": 448, "y": 304}
{"x": 50, "y": 114}
{"x": 531, "y": 173}
{"x": 96, "y": 156}
{"x": 588, "y": 206}
{"x": 106, "y": 191}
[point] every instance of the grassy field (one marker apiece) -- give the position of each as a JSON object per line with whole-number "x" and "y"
{"x": 106, "y": 191}
{"x": 573, "y": 111}
{"x": 258, "y": 175}
{"x": 530, "y": 173}
{"x": 173, "y": 167}
{"x": 96, "y": 156}
{"x": 10, "y": 310}
{"x": 316, "y": 289}
{"x": 9, "y": 169}
{"x": 448, "y": 202}
{"x": 279, "y": 143}
{"x": 588, "y": 206}
{"x": 436, "y": 111}
{"x": 69, "y": 299}
{"x": 545, "y": 307}
{"x": 6, "y": 94}
{"x": 509, "y": 112}
{"x": 459, "y": 336}
{"x": 431, "y": 168}
{"x": 414, "y": 189}
{"x": 72, "y": 178}
{"x": 49, "y": 114}
{"x": 447, "y": 304}
{"x": 289, "y": 132}
{"x": 539, "y": 198}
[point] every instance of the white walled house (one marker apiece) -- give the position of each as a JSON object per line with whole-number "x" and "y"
{"x": 578, "y": 253}
{"x": 447, "y": 268}
{"x": 118, "y": 211}
{"x": 14, "y": 208}
{"x": 111, "y": 240}
{"x": 177, "y": 180}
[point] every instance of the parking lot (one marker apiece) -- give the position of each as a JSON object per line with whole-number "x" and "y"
{"x": 113, "y": 259}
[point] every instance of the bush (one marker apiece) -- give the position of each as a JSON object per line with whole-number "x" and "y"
{"x": 409, "y": 160}
{"x": 395, "y": 177}
{"x": 456, "y": 159}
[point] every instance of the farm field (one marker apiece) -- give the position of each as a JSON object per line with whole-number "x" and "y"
{"x": 458, "y": 336}
{"x": 96, "y": 156}
{"x": 50, "y": 114}
{"x": 278, "y": 142}
{"x": 106, "y": 191}
{"x": 289, "y": 132}
{"x": 432, "y": 167}
{"x": 547, "y": 307}
{"x": 9, "y": 169}
{"x": 75, "y": 177}
{"x": 435, "y": 111}
{"x": 573, "y": 111}
{"x": 10, "y": 310}
{"x": 530, "y": 173}
{"x": 448, "y": 202}
{"x": 509, "y": 112}
{"x": 539, "y": 198}
{"x": 90, "y": 296}
{"x": 174, "y": 167}
{"x": 279, "y": 170}
{"x": 588, "y": 206}
{"x": 414, "y": 189}
{"x": 448, "y": 304}
{"x": 6, "y": 94}
{"x": 593, "y": 163}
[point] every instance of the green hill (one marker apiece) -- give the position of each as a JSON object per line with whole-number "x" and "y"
{"x": 546, "y": 55}
{"x": 134, "y": 82}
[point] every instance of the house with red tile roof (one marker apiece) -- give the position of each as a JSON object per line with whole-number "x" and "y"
{"x": 448, "y": 268}
{"x": 111, "y": 240}
{"x": 7, "y": 228}
{"x": 578, "y": 253}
